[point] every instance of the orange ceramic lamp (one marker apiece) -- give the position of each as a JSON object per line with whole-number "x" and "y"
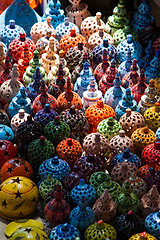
{"x": 23, "y": 62}
{"x": 43, "y": 98}
{"x": 16, "y": 167}
{"x": 98, "y": 112}
{"x": 144, "y": 170}
{"x": 71, "y": 39}
{"x": 69, "y": 98}
{"x": 16, "y": 47}
{"x": 69, "y": 150}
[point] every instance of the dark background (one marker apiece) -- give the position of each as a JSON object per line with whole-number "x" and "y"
{"x": 106, "y": 7}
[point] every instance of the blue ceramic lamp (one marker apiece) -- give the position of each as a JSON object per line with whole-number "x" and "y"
{"x": 135, "y": 47}
{"x": 83, "y": 81}
{"x": 54, "y": 12}
{"x": 20, "y": 101}
{"x": 10, "y": 32}
{"x": 64, "y": 28}
{"x": 143, "y": 17}
{"x": 23, "y": 15}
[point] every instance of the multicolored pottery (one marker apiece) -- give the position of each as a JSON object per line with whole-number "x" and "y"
{"x": 10, "y": 87}
{"x": 125, "y": 66}
{"x": 23, "y": 62}
{"x": 98, "y": 37}
{"x": 121, "y": 34}
{"x": 5, "y": 73}
{"x": 97, "y": 178}
{"x": 16, "y": 47}
{"x": 31, "y": 69}
{"x": 98, "y": 52}
{"x": 143, "y": 17}
{"x": 91, "y": 95}
{"x": 4, "y": 118}
{"x": 57, "y": 80}
{"x": 139, "y": 88}
{"x": 153, "y": 178}
{"x": 73, "y": 179}
{"x": 89, "y": 164}
{"x": 28, "y": 131}
{"x": 47, "y": 185}
{"x": 145, "y": 61}
{"x": 95, "y": 144}
{"x": 43, "y": 98}
{"x": 131, "y": 78}
{"x": 83, "y": 81}
{"x": 49, "y": 57}
{"x": 39, "y": 29}
{"x": 25, "y": 223}
{"x": 22, "y": 232}
{"x": 107, "y": 79}
{"x": 103, "y": 64}
{"x": 43, "y": 42}
{"x": 153, "y": 70}
{"x": 151, "y": 153}
{"x": 75, "y": 53}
